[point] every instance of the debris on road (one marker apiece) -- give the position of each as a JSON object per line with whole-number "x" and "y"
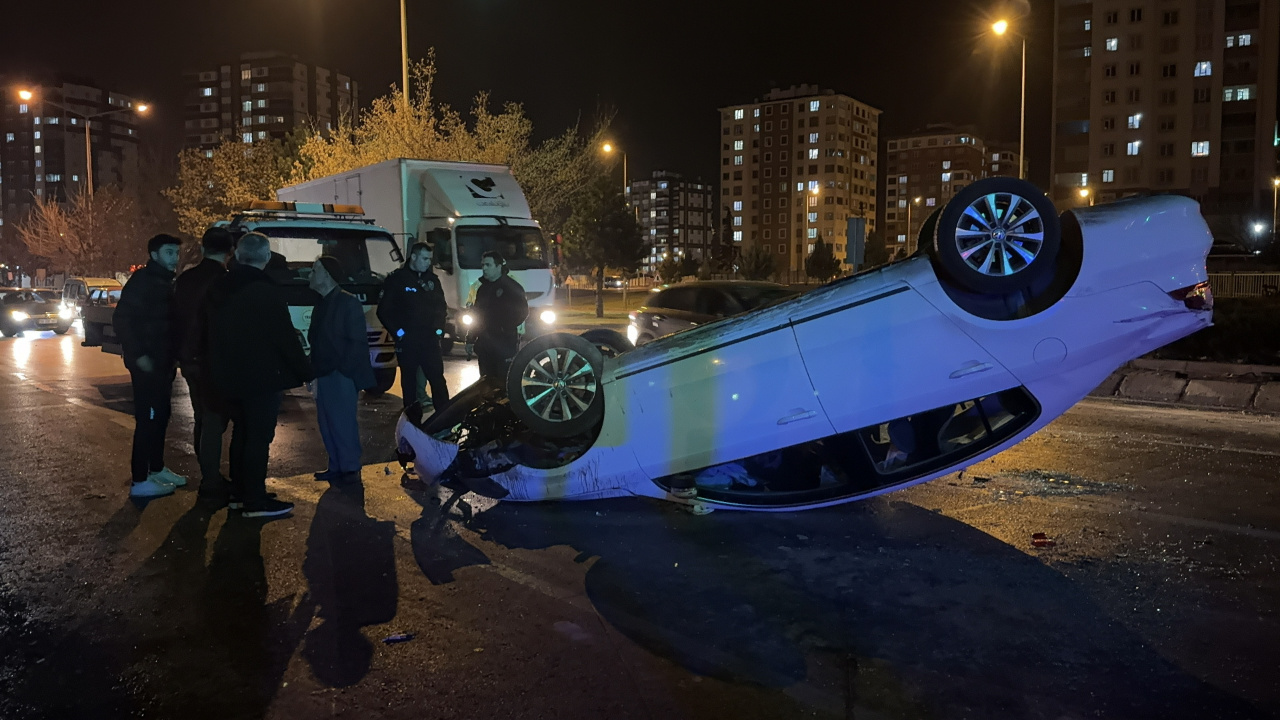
{"x": 1041, "y": 540}
{"x": 397, "y": 638}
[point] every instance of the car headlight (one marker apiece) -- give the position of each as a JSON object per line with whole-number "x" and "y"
{"x": 19, "y": 315}
{"x": 633, "y": 333}
{"x": 467, "y": 319}
{"x": 66, "y": 313}
{"x": 548, "y": 317}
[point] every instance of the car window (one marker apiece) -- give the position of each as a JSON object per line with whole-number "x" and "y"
{"x": 676, "y": 298}
{"x": 757, "y": 296}
{"x": 47, "y": 296}
{"x": 715, "y": 302}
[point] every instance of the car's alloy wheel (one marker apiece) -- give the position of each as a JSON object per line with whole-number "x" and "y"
{"x": 554, "y": 385}
{"x": 997, "y": 235}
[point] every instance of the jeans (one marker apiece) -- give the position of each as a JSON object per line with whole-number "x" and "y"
{"x": 336, "y": 398}
{"x": 152, "y": 393}
{"x": 210, "y": 424}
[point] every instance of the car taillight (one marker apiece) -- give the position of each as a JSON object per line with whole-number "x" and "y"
{"x": 1195, "y": 297}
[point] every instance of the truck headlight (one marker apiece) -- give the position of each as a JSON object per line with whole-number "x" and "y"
{"x": 548, "y": 317}
{"x": 19, "y": 315}
{"x": 66, "y": 313}
{"x": 467, "y": 319}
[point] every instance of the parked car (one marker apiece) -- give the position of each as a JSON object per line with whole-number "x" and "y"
{"x": 24, "y": 309}
{"x": 673, "y": 308}
{"x": 613, "y": 281}
{"x": 870, "y": 383}
{"x": 76, "y": 291}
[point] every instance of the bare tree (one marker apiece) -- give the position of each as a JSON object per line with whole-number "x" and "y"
{"x": 98, "y": 234}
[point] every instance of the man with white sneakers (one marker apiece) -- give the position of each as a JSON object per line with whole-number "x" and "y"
{"x": 142, "y": 322}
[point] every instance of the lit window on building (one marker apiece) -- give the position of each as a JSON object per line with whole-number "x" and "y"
{"x": 814, "y": 105}
{"x": 22, "y": 108}
{"x": 1200, "y": 148}
{"x": 1135, "y": 121}
{"x": 738, "y": 114}
{"x": 1132, "y": 148}
{"x": 247, "y": 137}
{"x": 1108, "y": 176}
{"x": 1233, "y": 94}
{"x": 902, "y": 238}
{"x": 737, "y": 236}
{"x": 1088, "y": 24}
{"x": 946, "y": 164}
{"x": 813, "y": 153}
{"x": 737, "y": 144}
{"x": 813, "y": 137}
{"x": 946, "y": 177}
{"x": 1204, "y": 68}
{"x": 1113, "y": 44}
{"x": 1088, "y": 51}
{"x": 737, "y": 159}
{"x": 206, "y": 92}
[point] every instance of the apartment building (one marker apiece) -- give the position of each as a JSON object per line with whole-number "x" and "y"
{"x": 45, "y": 142}
{"x": 263, "y": 95}
{"x": 797, "y": 165}
{"x": 677, "y": 217}
{"x": 1171, "y": 96}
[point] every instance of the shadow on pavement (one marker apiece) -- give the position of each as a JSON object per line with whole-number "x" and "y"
{"x": 350, "y": 568}
{"x": 117, "y": 396}
{"x": 939, "y": 615}
{"x": 437, "y": 548}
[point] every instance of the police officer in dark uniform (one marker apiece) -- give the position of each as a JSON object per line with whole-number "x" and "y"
{"x": 413, "y": 310}
{"x": 501, "y": 308}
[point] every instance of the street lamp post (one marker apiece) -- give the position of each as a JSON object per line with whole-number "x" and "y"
{"x": 910, "y": 203}
{"x": 609, "y": 148}
{"x": 1275, "y": 193}
{"x": 404, "y": 55}
{"x": 999, "y": 28}
{"x": 141, "y": 109}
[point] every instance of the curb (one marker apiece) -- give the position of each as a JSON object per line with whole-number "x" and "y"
{"x": 1253, "y": 388}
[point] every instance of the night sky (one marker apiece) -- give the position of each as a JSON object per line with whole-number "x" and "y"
{"x": 665, "y": 66}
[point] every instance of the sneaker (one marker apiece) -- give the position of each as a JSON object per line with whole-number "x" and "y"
{"x": 167, "y": 476}
{"x": 150, "y": 488}
{"x": 267, "y": 508}
{"x": 236, "y": 503}
{"x": 327, "y": 475}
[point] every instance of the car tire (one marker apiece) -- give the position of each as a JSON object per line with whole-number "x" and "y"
{"x": 383, "y": 379}
{"x": 611, "y": 343}
{"x": 62, "y": 329}
{"x": 553, "y": 385}
{"x": 11, "y": 332}
{"x": 996, "y": 236}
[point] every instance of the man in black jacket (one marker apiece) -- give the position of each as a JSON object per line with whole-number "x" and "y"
{"x": 254, "y": 355}
{"x": 142, "y": 322}
{"x": 340, "y": 360}
{"x": 501, "y": 307}
{"x": 189, "y": 292}
{"x": 414, "y": 311}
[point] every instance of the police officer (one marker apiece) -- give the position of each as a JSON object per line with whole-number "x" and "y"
{"x": 413, "y": 310}
{"x": 501, "y": 307}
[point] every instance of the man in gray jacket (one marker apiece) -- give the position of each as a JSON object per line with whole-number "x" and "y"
{"x": 340, "y": 360}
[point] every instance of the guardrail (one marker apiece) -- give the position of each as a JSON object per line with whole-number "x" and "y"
{"x": 1244, "y": 285}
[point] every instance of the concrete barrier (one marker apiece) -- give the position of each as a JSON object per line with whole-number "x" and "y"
{"x": 1154, "y": 386}
{"x": 1219, "y": 393}
{"x": 1268, "y": 398}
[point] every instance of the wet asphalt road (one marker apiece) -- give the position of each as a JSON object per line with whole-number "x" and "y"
{"x": 1158, "y": 598}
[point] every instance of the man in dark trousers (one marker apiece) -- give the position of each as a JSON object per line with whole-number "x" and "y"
{"x": 142, "y": 322}
{"x": 189, "y": 292}
{"x": 340, "y": 361}
{"x": 501, "y": 307}
{"x": 413, "y": 310}
{"x": 254, "y": 355}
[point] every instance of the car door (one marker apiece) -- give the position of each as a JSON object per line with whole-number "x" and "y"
{"x": 889, "y": 353}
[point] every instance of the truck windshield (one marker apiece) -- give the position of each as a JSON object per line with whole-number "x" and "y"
{"x": 521, "y": 246}
{"x": 366, "y": 256}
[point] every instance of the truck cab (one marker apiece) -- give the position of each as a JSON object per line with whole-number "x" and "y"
{"x": 300, "y": 233}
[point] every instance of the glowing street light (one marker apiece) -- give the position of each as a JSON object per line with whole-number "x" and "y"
{"x": 1000, "y": 27}
{"x": 609, "y": 148}
{"x": 914, "y": 201}
{"x": 1086, "y": 195}
{"x": 25, "y": 94}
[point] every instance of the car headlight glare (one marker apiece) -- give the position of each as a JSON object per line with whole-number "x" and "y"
{"x": 66, "y": 313}
{"x": 548, "y": 317}
{"x": 19, "y": 315}
{"x": 633, "y": 333}
{"x": 467, "y": 319}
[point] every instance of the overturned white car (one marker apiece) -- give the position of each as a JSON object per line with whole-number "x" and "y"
{"x": 867, "y": 384}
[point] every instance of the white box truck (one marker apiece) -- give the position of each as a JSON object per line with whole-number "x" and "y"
{"x": 462, "y": 209}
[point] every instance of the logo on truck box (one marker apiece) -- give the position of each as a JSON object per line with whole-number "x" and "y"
{"x": 485, "y": 191}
